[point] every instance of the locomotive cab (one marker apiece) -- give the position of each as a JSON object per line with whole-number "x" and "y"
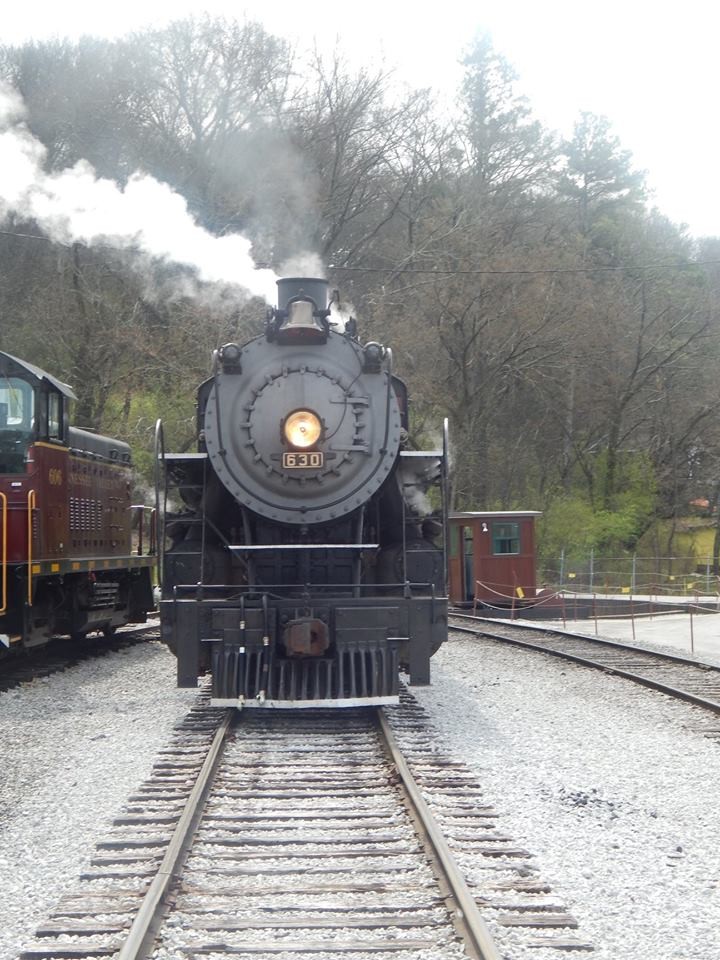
{"x": 33, "y": 407}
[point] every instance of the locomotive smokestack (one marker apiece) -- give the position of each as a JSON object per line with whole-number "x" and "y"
{"x": 305, "y": 288}
{"x": 302, "y": 313}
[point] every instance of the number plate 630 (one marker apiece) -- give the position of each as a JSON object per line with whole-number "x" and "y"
{"x": 300, "y": 461}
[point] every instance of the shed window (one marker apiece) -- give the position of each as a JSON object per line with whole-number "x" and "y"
{"x": 506, "y": 538}
{"x": 454, "y": 540}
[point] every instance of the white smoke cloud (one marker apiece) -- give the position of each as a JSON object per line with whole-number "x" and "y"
{"x": 77, "y": 205}
{"x": 304, "y": 265}
{"x": 11, "y": 105}
{"x": 340, "y": 314}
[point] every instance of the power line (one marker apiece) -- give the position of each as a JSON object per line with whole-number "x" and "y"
{"x": 455, "y": 272}
{"x": 30, "y": 236}
{"x": 451, "y": 272}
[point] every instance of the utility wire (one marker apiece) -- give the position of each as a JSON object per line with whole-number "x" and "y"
{"x": 453, "y": 272}
{"x": 30, "y": 236}
{"x": 440, "y": 271}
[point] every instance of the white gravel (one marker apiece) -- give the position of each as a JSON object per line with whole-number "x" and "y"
{"x": 73, "y": 747}
{"x": 612, "y": 787}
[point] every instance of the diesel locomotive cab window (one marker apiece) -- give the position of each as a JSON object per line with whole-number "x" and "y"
{"x": 17, "y": 409}
{"x": 506, "y": 538}
{"x": 54, "y": 416}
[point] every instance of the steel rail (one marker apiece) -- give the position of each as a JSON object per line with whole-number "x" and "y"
{"x": 466, "y": 917}
{"x": 144, "y": 925}
{"x": 573, "y": 634}
{"x": 676, "y": 692}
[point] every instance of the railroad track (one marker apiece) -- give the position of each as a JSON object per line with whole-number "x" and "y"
{"x": 681, "y": 677}
{"x": 306, "y": 834}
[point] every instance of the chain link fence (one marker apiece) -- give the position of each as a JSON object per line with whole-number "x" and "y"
{"x": 652, "y": 576}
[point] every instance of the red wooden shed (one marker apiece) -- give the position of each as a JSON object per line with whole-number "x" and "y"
{"x": 492, "y": 557}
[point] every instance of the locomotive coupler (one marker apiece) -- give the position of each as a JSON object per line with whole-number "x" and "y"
{"x": 306, "y": 637}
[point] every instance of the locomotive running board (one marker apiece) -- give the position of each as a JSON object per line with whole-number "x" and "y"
{"x": 242, "y": 704}
{"x": 247, "y": 547}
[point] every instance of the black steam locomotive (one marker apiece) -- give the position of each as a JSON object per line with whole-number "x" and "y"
{"x": 305, "y": 553}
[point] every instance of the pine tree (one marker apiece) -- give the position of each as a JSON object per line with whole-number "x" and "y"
{"x": 598, "y": 174}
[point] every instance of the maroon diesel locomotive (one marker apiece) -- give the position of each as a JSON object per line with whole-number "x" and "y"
{"x": 67, "y": 564}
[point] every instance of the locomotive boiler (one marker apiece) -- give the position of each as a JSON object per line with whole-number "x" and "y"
{"x": 304, "y": 561}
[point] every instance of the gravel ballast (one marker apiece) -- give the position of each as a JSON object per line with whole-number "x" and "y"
{"x": 611, "y": 786}
{"x": 74, "y": 745}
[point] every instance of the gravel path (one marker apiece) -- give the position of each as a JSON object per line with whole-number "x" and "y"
{"x": 73, "y": 747}
{"x": 612, "y": 787}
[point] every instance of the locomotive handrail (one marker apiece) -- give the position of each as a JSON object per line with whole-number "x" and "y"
{"x": 31, "y": 507}
{"x": 304, "y": 546}
{"x": 422, "y": 453}
{"x": 338, "y": 590}
{"x": 183, "y": 456}
{"x": 159, "y": 514}
{"x": 3, "y": 498}
{"x": 141, "y": 508}
{"x": 445, "y": 494}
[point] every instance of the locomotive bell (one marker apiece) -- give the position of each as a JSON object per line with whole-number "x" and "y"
{"x": 302, "y": 310}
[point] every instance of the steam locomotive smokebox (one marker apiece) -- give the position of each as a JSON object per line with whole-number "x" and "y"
{"x": 291, "y": 287}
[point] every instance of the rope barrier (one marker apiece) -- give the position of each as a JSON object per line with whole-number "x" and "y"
{"x": 513, "y": 598}
{"x": 660, "y": 606}
{"x": 528, "y": 604}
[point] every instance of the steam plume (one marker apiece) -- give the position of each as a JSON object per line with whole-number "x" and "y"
{"x": 77, "y": 205}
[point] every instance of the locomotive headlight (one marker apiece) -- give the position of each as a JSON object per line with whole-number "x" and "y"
{"x": 302, "y": 429}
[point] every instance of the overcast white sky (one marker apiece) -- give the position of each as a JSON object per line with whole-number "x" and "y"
{"x": 652, "y": 68}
